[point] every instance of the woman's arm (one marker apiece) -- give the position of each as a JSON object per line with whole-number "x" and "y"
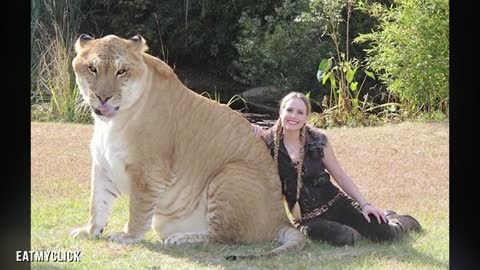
{"x": 347, "y": 185}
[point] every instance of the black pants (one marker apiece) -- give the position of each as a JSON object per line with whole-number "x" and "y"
{"x": 335, "y": 225}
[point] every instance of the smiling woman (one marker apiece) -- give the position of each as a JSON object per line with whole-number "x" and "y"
{"x": 305, "y": 161}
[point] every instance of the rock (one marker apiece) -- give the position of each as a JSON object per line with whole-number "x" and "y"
{"x": 262, "y": 99}
{"x": 263, "y": 94}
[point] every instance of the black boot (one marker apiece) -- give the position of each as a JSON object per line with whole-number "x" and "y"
{"x": 406, "y": 222}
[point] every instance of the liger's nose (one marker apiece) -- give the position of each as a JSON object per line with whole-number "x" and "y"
{"x": 103, "y": 99}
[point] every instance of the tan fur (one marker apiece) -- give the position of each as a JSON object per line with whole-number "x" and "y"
{"x": 191, "y": 164}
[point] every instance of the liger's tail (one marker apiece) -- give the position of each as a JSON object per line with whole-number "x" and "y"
{"x": 289, "y": 237}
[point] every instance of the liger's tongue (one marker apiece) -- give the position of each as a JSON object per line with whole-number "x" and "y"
{"x": 107, "y": 110}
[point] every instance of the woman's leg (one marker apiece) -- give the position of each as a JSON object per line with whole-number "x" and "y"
{"x": 334, "y": 233}
{"x": 344, "y": 212}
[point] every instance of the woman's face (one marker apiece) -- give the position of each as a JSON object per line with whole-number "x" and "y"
{"x": 293, "y": 115}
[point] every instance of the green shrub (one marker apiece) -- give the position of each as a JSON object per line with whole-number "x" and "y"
{"x": 279, "y": 50}
{"x": 410, "y": 51}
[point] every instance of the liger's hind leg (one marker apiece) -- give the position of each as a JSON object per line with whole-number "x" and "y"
{"x": 242, "y": 208}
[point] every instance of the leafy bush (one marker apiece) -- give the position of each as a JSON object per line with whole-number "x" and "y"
{"x": 410, "y": 51}
{"x": 345, "y": 74}
{"x": 279, "y": 50}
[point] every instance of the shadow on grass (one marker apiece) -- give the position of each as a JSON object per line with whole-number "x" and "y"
{"x": 403, "y": 251}
{"x": 314, "y": 254}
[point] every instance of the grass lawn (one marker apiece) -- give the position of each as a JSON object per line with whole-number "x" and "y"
{"x": 403, "y": 167}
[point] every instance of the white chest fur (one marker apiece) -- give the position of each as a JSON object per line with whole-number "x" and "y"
{"x": 109, "y": 154}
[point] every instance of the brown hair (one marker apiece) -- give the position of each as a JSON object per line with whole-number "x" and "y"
{"x": 279, "y": 132}
{"x": 298, "y": 95}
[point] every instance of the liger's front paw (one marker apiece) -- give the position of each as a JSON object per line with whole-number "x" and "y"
{"x": 176, "y": 239}
{"x": 87, "y": 232}
{"x": 81, "y": 232}
{"x": 124, "y": 238}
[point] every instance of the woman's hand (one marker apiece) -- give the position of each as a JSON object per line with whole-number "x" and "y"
{"x": 257, "y": 131}
{"x": 368, "y": 209}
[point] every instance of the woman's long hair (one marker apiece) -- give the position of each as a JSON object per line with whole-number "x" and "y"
{"x": 278, "y": 135}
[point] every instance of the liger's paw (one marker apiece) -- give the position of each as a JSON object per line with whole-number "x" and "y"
{"x": 81, "y": 232}
{"x": 184, "y": 238}
{"x": 87, "y": 232}
{"x": 176, "y": 239}
{"x": 124, "y": 238}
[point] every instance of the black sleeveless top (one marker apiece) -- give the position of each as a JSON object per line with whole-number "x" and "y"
{"x": 317, "y": 188}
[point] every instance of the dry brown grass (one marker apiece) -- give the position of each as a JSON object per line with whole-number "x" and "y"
{"x": 60, "y": 158}
{"x": 399, "y": 166}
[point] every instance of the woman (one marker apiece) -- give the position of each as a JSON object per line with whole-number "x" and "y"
{"x": 321, "y": 210}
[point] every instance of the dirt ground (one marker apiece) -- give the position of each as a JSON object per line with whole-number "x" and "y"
{"x": 402, "y": 166}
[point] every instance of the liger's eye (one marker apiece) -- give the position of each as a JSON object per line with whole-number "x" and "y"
{"x": 121, "y": 72}
{"x": 92, "y": 69}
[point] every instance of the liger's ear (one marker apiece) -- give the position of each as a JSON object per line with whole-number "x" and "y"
{"x": 81, "y": 41}
{"x": 139, "y": 42}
